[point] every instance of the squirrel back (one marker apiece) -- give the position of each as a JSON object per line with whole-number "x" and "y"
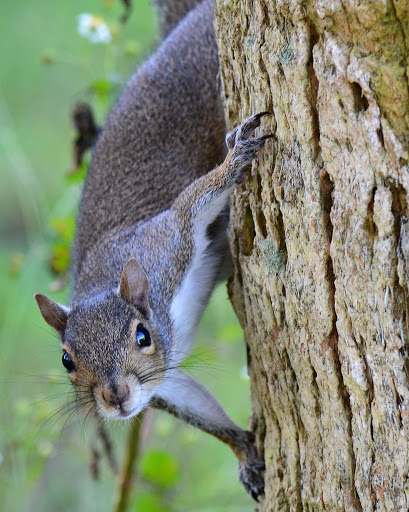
{"x": 166, "y": 130}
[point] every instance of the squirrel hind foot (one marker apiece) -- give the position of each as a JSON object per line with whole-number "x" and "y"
{"x": 251, "y": 468}
{"x": 251, "y": 476}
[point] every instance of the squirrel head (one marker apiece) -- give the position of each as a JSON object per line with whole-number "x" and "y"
{"x": 112, "y": 350}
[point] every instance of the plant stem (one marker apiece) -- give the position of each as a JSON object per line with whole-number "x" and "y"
{"x": 136, "y": 439}
{"x": 127, "y": 473}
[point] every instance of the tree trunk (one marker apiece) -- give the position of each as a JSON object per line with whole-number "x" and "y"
{"x": 320, "y": 242}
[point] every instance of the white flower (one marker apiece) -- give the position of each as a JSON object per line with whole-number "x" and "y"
{"x": 93, "y": 28}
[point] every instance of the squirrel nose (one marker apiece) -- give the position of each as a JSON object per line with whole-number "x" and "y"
{"x": 116, "y": 395}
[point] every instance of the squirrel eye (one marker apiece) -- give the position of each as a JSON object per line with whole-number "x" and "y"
{"x": 143, "y": 338}
{"x": 67, "y": 362}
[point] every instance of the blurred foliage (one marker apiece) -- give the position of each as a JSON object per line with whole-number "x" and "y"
{"x": 45, "y": 443}
{"x": 64, "y": 229}
{"x": 160, "y": 467}
{"x": 77, "y": 176}
{"x": 149, "y": 502}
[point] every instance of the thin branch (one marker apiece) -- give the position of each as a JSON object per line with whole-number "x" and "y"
{"x": 137, "y": 437}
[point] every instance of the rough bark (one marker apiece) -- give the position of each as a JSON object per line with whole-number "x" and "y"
{"x": 320, "y": 241}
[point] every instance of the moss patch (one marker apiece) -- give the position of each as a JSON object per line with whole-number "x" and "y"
{"x": 273, "y": 257}
{"x": 287, "y": 54}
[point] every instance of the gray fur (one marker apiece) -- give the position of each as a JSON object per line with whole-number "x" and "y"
{"x": 166, "y": 129}
{"x": 170, "y": 12}
{"x": 147, "y": 197}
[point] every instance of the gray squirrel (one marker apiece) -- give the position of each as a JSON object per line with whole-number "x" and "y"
{"x": 151, "y": 238}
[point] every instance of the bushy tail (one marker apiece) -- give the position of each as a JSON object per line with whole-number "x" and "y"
{"x": 170, "y": 12}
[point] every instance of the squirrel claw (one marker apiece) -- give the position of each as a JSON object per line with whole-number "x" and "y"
{"x": 244, "y": 147}
{"x": 245, "y": 129}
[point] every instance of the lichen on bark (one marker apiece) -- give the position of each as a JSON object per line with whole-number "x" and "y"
{"x": 320, "y": 241}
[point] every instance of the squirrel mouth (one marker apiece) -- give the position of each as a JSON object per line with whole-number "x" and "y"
{"x": 125, "y": 414}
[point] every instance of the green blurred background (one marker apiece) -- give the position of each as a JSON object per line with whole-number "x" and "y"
{"x": 45, "y": 68}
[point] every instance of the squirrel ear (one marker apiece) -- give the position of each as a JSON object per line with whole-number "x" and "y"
{"x": 53, "y": 313}
{"x": 134, "y": 287}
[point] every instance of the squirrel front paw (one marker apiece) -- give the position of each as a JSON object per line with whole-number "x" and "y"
{"x": 243, "y": 147}
{"x": 251, "y": 469}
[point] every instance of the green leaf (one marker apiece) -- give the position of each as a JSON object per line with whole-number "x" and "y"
{"x": 78, "y": 176}
{"x": 149, "y": 503}
{"x": 60, "y": 251}
{"x": 160, "y": 468}
{"x": 60, "y": 258}
{"x": 64, "y": 227}
{"x": 102, "y": 88}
